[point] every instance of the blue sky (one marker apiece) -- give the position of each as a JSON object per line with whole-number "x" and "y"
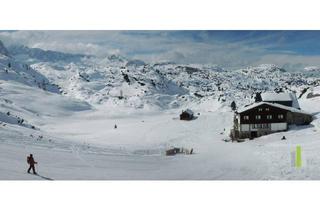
{"x": 296, "y": 42}
{"x": 293, "y": 49}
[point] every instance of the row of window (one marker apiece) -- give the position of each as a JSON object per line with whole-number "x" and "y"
{"x": 269, "y": 117}
{"x": 261, "y": 126}
{"x": 261, "y": 109}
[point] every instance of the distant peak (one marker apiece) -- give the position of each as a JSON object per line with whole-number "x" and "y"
{"x": 312, "y": 68}
{"x": 115, "y": 57}
{"x": 265, "y": 68}
{"x": 3, "y": 49}
{"x": 135, "y": 62}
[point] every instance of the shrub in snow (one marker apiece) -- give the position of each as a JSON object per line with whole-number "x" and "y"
{"x": 258, "y": 97}
{"x": 233, "y": 105}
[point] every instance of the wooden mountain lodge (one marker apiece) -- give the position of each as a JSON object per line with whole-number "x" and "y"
{"x": 267, "y": 117}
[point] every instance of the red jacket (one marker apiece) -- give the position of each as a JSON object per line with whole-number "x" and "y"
{"x": 31, "y": 161}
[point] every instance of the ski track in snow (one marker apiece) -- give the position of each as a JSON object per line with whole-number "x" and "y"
{"x": 268, "y": 160}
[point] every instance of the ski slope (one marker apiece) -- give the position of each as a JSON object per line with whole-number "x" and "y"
{"x": 135, "y": 150}
{"x": 82, "y": 144}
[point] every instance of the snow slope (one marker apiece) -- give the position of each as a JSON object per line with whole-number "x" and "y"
{"x": 132, "y": 151}
{"x": 92, "y": 149}
{"x": 12, "y": 70}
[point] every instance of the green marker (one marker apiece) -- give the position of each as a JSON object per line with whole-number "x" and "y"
{"x": 298, "y": 157}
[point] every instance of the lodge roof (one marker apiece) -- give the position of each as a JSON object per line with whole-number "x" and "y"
{"x": 188, "y": 111}
{"x": 270, "y": 96}
{"x": 291, "y": 109}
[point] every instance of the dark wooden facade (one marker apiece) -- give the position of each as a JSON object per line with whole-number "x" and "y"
{"x": 298, "y": 118}
{"x": 186, "y": 116}
{"x": 263, "y": 110}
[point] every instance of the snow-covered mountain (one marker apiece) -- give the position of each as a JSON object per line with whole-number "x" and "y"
{"x": 13, "y": 70}
{"x": 3, "y": 50}
{"x": 21, "y": 76}
{"x": 116, "y": 81}
{"x": 66, "y": 105}
{"x": 32, "y": 55}
{"x": 167, "y": 85}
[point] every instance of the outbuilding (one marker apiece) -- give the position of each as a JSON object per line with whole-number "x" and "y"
{"x": 187, "y": 115}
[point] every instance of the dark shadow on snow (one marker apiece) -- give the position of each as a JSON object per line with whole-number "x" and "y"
{"x": 43, "y": 177}
{"x": 299, "y": 127}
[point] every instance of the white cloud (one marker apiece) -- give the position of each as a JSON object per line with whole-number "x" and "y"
{"x": 155, "y": 46}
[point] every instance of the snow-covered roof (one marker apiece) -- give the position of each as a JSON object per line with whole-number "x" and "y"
{"x": 270, "y": 96}
{"x": 291, "y": 109}
{"x": 295, "y": 102}
{"x": 189, "y": 111}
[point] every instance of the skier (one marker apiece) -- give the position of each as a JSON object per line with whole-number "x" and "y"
{"x": 115, "y": 126}
{"x": 31, "y": 162}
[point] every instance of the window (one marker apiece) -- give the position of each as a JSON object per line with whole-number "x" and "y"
{"x": 267, "y": 109}
{"x": 246, "y": 117}
{"x": 260, "y": 109}
{"x": 280, "y": 116}
{"x": 269, "y": 117}
{"x": 258, "y": 117}
{"x": 261, "y": 126}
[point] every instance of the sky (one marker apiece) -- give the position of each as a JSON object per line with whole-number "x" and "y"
{"x": 289, "y": 49}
